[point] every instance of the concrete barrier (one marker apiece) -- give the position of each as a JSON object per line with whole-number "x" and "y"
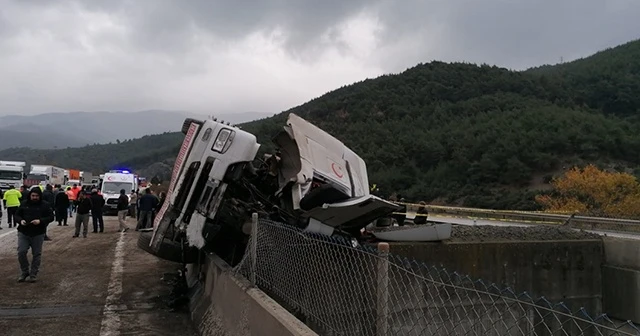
{"x": 621, "y": 293}
{"x": 621, "y": 279}
{"x": 566, "y": 271}
{"x": 223, "y": 303}
{"x": 622, "y": 252}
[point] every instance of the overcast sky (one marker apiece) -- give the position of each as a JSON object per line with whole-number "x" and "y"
{"x": 270, "y": 55}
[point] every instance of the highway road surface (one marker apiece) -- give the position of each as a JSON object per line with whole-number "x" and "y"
{"x": 469, "y": 221}
{"x": 95, "y": 286}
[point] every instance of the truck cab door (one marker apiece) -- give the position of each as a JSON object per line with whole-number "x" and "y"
{"x": 354, "y": 214}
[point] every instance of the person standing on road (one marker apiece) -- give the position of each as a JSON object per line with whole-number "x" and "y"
{"x": 123, "y": 208}
{"x": 25, "y": 192}
{"x": 148, "y": 203}
{"x": 75, "y": 190}
{"x": 97, "y": 203}
{"x": 1, "y": 206}
{"x": 61, "y": 207}
{"x": 421, "y": 214}
{"x": 32, "y": 217}
{"x": 82, "y": 214}
{"x": 72, "y": 201}
{"x": 47, "y": 196}
{"x": 133, "y": 204}
{"x": 56, "y": 190}
{"x": 11, "y": 201}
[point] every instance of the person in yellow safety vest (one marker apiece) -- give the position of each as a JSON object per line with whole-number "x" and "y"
{"x": 12, "y": 202}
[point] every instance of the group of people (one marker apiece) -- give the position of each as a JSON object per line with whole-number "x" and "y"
{"x": 31, "y": 210}
{"x": 144, "y": 207}
{"x": 75, "y": 199}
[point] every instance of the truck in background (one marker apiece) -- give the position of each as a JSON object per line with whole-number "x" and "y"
{"x": 46, "y": 174}
{"x": 11, "y": 174}
{"x": 113, "y": 182}
{"x": 87, "y": 178}
{"x": 74, "y": 177}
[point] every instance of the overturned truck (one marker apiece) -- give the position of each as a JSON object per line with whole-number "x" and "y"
{"x": 312, "y": 181}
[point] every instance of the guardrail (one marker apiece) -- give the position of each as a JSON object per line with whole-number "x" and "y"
{"x": 528, "y": 217}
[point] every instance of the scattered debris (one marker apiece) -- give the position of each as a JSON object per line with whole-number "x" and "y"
{"x": 398, "y": 228}
{"x": 178, "y": 298}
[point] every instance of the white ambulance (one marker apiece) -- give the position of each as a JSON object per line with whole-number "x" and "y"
{"x": 112, "y": 183}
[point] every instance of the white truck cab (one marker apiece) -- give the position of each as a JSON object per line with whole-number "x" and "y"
{"x": 12, "y": 174}
{"x": 313, "y": 182}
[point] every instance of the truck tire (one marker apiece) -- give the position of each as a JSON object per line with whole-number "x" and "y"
{"x": 187, "y": 123}
{"x": 169, "y": 249}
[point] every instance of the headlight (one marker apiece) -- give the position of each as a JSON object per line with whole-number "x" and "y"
{"x": 223, "y": 140}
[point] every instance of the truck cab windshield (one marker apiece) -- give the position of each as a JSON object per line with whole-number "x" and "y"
{"x": 10, "y": 175}
{"x": 37, "y": 177}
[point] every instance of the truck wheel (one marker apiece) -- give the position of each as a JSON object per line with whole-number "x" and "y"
{"x": 187, "y": 123}
{"x": 169, "y": 250}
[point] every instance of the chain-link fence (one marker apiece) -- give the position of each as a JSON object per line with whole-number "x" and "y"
{"x": 340, "y": 288}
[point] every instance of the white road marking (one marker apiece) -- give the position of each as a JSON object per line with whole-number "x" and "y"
{"x": 9, "y": 231}
{"x": 110, "y": 316}
{"x": 6, "y": 226}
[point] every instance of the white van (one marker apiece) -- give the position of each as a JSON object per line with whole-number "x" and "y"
{"x": 113, "y": 182}
{"x": 313, "y": 182}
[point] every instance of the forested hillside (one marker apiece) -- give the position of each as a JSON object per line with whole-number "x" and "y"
{"x": 461, "y": 133}
{"x": 137, "y": 153}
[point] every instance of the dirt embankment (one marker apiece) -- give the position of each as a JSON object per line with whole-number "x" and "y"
{"x": 511, "y": 233}
{"x": 487, "y": 233}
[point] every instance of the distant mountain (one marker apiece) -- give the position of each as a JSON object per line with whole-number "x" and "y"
{"x": 77, "y": 129}
{"x": 37, "y": 138}
{"x": 452, "y": 133}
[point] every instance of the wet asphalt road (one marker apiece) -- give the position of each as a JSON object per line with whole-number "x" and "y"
{"x": 100, "y": 285}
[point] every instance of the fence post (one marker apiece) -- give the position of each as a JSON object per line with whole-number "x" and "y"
{"x": 382, "y": 304}
{"x": 254, "y": 248}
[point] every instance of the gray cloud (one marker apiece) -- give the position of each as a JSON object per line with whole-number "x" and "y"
{"x": 155, "y": 24}
{"x": 271, "y": 54}
{"x": 514, "y": 33}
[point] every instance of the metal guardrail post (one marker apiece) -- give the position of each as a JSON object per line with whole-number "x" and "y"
{"x": 254, "y": 248}
{"x": 382, "y": 297}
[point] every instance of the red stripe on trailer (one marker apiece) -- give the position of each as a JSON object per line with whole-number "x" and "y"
{"x": 177, "y": 167}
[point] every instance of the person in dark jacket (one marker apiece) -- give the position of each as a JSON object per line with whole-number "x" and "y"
{"x": 148, "y": 203}
{"x": 97, "y": 203}
{"x": 421, "y": 214}
{"x": 61, "y": 206}
{"x": 82, "y": 214}
{"x": 1, "y": 207}
{"x": 32, "y": 217}
{"x": 123, "y": 208}
{"x": 47, "y": 196}
{"x": 25, "y": 192}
